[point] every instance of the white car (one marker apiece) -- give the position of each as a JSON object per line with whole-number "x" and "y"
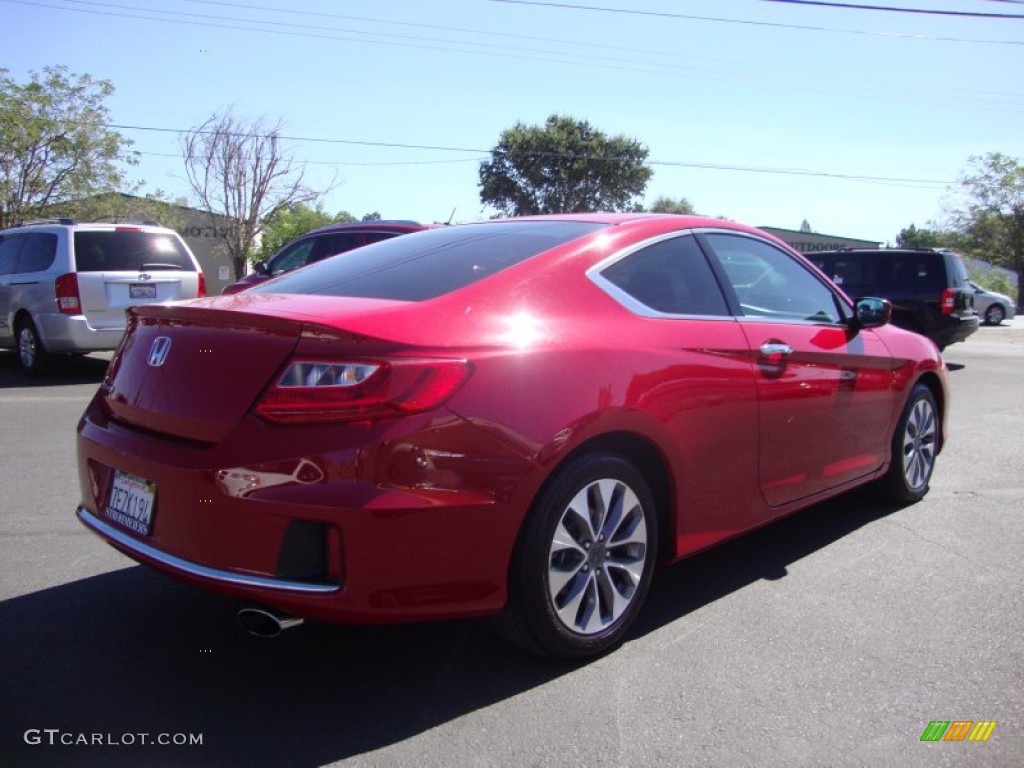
{"x": 993, "y": 307}
{"x": 64, "y": 286}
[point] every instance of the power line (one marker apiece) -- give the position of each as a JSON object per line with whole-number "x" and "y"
{"x": 893, "y": 9}
{"x": 670, "y": 69}
{"x": 748, "y": 22}
{"x": 559, "y": 155}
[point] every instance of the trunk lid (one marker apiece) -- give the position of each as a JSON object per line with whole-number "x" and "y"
{"x": 194, "y": 370}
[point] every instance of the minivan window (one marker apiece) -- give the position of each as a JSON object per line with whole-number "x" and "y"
{"x": 38, "y": 253}
{"x": 427, "y": 264}
{"x": 9, "y": 247}
{"x": 125, "y": 251}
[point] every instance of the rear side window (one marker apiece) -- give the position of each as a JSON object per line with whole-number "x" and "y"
{"x": 913, "y": 272}
{"x": 9, "y": 247}
{"x": 427, "y": 264}
{"x": 671, "y": 276}
{"x": 38, "y": 253}
{"x": 124, "y": 251}
{"x": 339, "y": 242}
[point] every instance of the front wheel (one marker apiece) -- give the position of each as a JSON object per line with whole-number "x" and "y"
{"x": 995, "y": 314}
{"x": 915, "y": 445}
{"x": 584, "y": 561}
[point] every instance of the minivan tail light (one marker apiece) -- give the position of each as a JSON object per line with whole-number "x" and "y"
{"x": 68, "y": 300}
{"x": 948, "y": 301}
{"x": 202, "y": 285}
{"x": 310, "y": 390}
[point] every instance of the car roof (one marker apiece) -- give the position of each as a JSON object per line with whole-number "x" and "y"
{"x": 391, "y": 224}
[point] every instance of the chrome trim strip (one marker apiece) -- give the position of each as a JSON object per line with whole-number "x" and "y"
{"x": 193, "y": 569}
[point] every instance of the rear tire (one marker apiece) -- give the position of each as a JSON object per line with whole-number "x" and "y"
{"x": 915, "y": 445}
{"x": 32, "y": 355}
{"x": 584, "y": 560}
{"x": 995, "y": 314}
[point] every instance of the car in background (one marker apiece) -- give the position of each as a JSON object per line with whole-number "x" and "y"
{"x": 928, "y": 288}
{"x": 321, "y": 243}
{"x": 64, "y": 286}
{"x": 514, "y": 418}
{"x": 991, "y": 306}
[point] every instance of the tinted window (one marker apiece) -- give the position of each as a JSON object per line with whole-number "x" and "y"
{"x": 339, "y": 242}
{"x": 855, "y": 275}
{"x": 292, "y": 258}
{"x": 9, "y": 247}
{"x": 671, "y": 276}
{"x": 38, "y": 253}
{"x": 772, "y": 284}
{"x": 912, "y": 272}
{"x": 430, "y": 263}
{"x": 124, "y": 251}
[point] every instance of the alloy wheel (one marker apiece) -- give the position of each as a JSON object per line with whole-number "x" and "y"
{"x": 597, "y": 556}
{"x": 919, "y": 443}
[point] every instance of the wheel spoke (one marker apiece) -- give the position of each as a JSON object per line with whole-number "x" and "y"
{"x": 597, "y": 556}
{"x": 919, "y": 444}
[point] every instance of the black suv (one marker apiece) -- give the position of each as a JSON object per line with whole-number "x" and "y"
{"x": 928, "y": 288}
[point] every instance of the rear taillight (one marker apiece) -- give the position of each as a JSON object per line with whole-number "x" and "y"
{"x": 68, "y": 300}
{"x": 330, "y": 390}
{"x": 948, "y": 301}
{"x": 202, "y": 285}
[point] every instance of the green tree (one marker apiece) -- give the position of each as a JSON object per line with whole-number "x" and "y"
{"x": 668, "y": 205}
{"x": 991, "y": 220}
{"x": 563, "y": 166}
{"x": 286, "y": 223}
{"x": 54, "y": 146}
{"x": 912, "y": 237}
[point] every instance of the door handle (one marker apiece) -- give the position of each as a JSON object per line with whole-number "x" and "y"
{"x": 775, "y": 351}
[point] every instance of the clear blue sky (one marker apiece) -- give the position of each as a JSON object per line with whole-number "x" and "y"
{"x": 732, "y": 84}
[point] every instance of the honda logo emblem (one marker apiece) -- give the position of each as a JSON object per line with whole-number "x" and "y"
{"x": 158, "y": 352}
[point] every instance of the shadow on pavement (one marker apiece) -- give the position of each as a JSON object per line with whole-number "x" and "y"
{"x": 77, "y": 369}
{"x": 132, "y": 652}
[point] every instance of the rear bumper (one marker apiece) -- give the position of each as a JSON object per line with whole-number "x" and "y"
{"x": 956, "y": 329}
{"x": 361, "y": 528}
{"x": 72, "y": 333}
{"x": 184, "y": 568}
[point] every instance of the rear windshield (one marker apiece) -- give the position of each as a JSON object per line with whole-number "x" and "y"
{"x": 427, "y": 264}
{"x": 125, "y": 251}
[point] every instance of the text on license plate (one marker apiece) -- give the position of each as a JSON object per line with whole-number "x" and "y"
{"x": 131, "y": 502}
{"x": 142, "y": 291}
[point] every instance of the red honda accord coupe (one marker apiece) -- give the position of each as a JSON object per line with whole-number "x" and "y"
{"x": 516, "y": 418}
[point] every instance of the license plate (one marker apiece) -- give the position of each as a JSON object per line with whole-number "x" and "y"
{"x": 142, "y": 291}
{"x": 131, "y": 502}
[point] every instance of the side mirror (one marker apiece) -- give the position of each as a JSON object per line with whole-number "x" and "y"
{"x": 872, "y": 313}
{"x": 261, "y": 268}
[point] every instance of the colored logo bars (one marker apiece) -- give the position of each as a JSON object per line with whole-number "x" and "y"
{"x": 958, "y": 730}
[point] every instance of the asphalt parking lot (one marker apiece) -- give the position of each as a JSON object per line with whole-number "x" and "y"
{"x": 831, "y": 638}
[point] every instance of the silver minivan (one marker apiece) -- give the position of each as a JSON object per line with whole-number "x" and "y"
{"x": 64, "y": 286}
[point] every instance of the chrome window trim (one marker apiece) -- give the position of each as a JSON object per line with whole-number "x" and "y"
{"x": 634, "y": 305}
{"x": 149, "y": 552}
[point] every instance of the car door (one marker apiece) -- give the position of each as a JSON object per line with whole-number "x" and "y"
{"x": 9, "y": 247}
{"x": 824, "y": 390}
{"x": 702, "y": 391}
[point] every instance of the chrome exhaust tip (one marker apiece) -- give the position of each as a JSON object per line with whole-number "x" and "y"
{"x": 266, "y": 622}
